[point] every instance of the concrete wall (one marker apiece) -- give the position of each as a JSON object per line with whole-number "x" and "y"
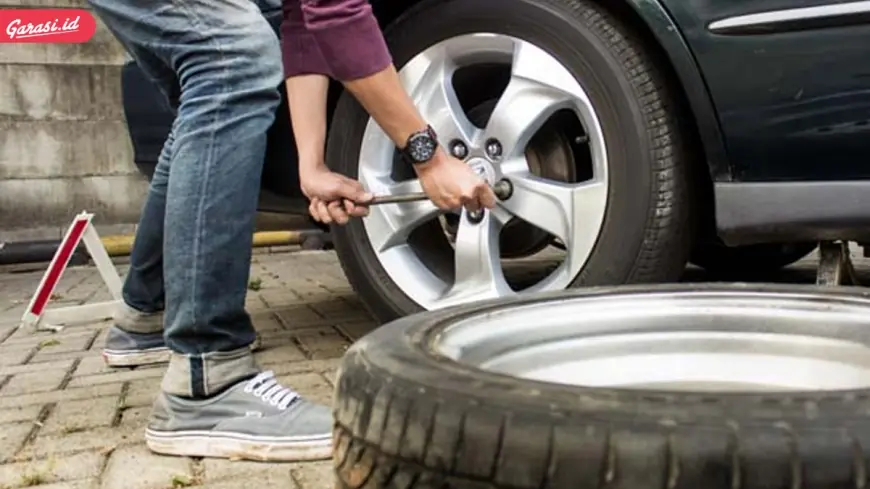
{"x": 64, "y": 146}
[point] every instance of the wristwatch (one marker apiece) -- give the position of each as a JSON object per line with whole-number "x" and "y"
{"x": 421, "y": 146}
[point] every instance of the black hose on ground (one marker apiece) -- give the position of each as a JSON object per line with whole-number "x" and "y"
{"x": 41, "y": 251}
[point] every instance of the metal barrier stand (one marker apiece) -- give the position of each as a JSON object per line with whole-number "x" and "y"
{"x": 835, "y": 264}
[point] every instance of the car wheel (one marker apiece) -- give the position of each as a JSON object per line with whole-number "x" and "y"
{"x": 563, "y": 100}
{"x": 721, "y": 260}
{"x": 643, "y": 387}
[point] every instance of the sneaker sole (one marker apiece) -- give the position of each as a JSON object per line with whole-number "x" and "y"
{"x": 236, "y": 446}
{"x": 153, "y": 356}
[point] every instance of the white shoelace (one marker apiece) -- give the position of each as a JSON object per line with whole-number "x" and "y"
{"x": 267, "y": 388}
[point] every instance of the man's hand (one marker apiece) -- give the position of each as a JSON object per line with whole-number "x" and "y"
{"x": 333, "y": 196}
{"x": 452, "y": 184}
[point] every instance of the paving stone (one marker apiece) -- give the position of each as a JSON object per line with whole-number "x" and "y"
{"x": 51, "y": 470}
{"x": 267, "y": 322}
{"x": 318, "y": 366}
{"x": 323, "y": 344}
{"x": 12, "y": 436}
{"x": 116, "y": 376}
{"x": 142, "y": 392}
{"x": 340, "y": 310}
{"x": 135, "y": 417}
{"x": 67, "y": 344}
{"x": 299, "y": 316}
{"x": 278, "y": 299}
{"x": 93, "y": 483}
{"x": 93, "y": 365}
{"x": 216, "y": 469}
{"x": 60, "y": 396}
{"x": 8, "y": 324}
{"x": 100, "y": 440}
{"x": 63, "y": 365}
{"x": 75, "y": 416}
{"x": 356, "y": 330}
{"x": 264, "y": 480}
{"x": 314, "y": 475}
{"x": 46, "y": 339}
{"x": 16, "y": 414}
{"x": 33, "y": 382}
{"x": 279, "y": 354}
{"x": 49, "y": 356}
{"x": 14, "y": 355}
{"x": 160, "y": 473}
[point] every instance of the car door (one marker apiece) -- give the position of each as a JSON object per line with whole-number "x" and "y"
{"x": 790, "y": 80}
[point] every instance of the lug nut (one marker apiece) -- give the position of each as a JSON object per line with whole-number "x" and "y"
{"x": 503, "y": 189}
{"x": 493, "y": 149}
{"x": 458, "y": 149}
{"x": 474, "y": 217}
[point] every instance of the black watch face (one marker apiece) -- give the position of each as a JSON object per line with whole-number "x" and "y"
{"x": 421, "y": 147}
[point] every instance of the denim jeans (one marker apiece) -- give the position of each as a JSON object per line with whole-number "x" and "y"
{"x": 219, "y": 64}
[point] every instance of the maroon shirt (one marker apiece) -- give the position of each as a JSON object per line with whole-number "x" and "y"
{"x": 337, "y": 38}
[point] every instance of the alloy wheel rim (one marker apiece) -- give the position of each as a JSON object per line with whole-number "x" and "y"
{"x": 714, "y": 342}
{"x": 539, "y": 87}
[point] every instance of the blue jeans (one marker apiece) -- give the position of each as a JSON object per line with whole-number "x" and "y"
{"x": 219, "y": 64}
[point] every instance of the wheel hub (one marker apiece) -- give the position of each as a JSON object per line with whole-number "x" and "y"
{"x": 485, "y": 169}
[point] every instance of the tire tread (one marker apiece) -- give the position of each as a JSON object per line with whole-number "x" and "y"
{"x": 483, "y": 446}
{"x": 667, "y": 241}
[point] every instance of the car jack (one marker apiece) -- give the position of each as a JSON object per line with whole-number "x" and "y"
{"x": 835, "y": 264}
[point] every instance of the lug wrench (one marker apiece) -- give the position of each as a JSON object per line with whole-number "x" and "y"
{"x": 503, "y": 189}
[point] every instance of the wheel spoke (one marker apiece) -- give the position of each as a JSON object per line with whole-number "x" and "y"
{"x": 566, "y": 210}
{"x": 478, "y": 271}
{"x": 539, "y": 87}
{"x": 390, "y": 224}
{"x": 429, "y": 79}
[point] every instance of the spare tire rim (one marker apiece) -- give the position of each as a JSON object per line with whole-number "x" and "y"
{"x": 724, "y": 341}
{"x": 539, "y": 87}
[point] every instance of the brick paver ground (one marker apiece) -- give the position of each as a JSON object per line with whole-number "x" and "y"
{"x": 67, "y": 421}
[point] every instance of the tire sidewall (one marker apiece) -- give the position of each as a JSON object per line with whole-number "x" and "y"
{"x": 577, "y": 41}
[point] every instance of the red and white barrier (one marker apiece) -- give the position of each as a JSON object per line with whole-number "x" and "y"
{"x": 38, "y": 316}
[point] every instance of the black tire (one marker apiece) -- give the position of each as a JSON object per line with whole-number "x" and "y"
{"x": 740, "y": 261}
{"x": 645, "y": 236}
{"x": 409, "y": 418}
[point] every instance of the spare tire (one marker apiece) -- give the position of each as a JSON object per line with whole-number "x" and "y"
{"x": 676, "y": 386}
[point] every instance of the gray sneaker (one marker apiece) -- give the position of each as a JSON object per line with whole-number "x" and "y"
{"x": 258, "y": 419}
{"x": 126, "y": 349}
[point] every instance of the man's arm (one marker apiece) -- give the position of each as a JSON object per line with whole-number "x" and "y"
{"x": 356, "y": 55}
{"x": 305, "y": 70}
{"x": 353, "y": 48}
{"x": 306, "y": 96}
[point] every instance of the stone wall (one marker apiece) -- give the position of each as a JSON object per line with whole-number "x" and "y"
{"x": 64, "y": 146}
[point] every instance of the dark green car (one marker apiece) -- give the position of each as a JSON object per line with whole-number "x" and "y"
{"x": 638, "y": 135}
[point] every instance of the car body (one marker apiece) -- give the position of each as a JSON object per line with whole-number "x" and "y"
{"x": 768, "y": 98}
